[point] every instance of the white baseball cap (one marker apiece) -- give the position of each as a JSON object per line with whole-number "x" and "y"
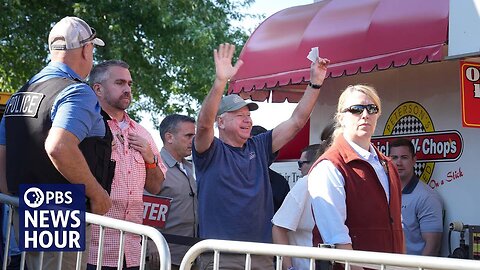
{"x": 71, "y": 33}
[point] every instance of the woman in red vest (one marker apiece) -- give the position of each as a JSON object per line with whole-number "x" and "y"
{"x": 355, "y": 189}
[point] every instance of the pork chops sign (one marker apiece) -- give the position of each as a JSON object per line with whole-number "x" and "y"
{"x": 411, "y": 121}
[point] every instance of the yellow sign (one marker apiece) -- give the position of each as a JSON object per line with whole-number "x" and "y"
{"x": 4, "y": 97}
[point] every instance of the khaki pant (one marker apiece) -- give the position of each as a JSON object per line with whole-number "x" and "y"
{"x": 235, "y": 261}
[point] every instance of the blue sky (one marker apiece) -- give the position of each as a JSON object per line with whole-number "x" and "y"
{"x": 268, "y": 8}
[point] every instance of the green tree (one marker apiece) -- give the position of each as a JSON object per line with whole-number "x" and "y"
{"x": 168, "y": 43}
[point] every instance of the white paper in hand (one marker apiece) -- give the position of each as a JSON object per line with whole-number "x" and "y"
{"x": 313, "y": 54}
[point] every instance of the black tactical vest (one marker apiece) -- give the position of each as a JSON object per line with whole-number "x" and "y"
{"x": 27, "y": 123}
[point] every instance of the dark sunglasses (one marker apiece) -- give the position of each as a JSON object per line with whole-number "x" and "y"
{"x": 301, "y": 162}
{"x": 358, "y": 109}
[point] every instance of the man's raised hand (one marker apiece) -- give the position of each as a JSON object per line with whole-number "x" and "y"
{"x": 223, "y": 62}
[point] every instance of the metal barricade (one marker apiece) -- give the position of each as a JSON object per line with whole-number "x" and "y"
{"x": 146, "y": 232}
{"x": 372, "y": 260}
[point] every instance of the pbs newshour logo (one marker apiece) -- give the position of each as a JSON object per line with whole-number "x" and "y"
{"x": 52, "y": 217}
{"x": 33, "y": 197}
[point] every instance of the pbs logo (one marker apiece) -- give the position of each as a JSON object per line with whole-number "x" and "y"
{"x": 35, "y": 197}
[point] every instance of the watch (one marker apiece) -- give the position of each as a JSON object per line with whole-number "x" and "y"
{"x": 152, "y": 165}
{"x": 314, "y": 86}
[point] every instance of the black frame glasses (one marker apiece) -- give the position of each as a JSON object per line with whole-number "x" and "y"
{"x": 301, "y": 162}
{"x": 359, "y": 108}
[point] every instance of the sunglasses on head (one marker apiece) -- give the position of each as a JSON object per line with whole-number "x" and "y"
{"x": 90, "y": 38}
{"x": 359, "y": 108}
{"x": 301, "y": 162}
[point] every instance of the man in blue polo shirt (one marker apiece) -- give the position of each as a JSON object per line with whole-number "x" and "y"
{"x": 53, "y": 132}
{"x": 234, "y": 192}
{"x": 422, "y": 208}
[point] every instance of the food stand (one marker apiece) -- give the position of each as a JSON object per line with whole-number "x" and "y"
{"x": 421, "y": 56}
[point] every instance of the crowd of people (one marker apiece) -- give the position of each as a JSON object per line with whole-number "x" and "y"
{"x": 350, "y": 196}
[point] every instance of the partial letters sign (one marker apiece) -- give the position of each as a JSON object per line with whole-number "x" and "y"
{"x": 155, "y": 210}
{"x": 470, "y": 89}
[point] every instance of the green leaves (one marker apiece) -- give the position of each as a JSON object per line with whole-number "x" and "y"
{"x": 167, "y": 43}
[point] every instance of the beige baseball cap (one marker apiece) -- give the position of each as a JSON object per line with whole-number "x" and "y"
{"x": 234, "y": 102}
{"x": 71, "y": 33}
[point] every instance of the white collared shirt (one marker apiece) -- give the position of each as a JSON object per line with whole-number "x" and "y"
{"x": 326, "y": 186}
{"x": 372, "y": 158}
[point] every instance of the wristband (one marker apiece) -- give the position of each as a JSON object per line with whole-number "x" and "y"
{"x": 314, "y": 86}
{"x": 152, "y": 165}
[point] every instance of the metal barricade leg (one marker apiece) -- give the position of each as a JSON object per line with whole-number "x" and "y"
{"x": 121, "y": 251}
{"x": 248, "y": 262}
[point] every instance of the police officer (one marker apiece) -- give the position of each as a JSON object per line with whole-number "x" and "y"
{"x": 52, "y": 126}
